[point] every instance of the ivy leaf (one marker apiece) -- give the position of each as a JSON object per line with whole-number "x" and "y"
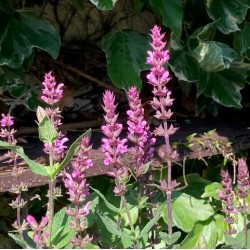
{"x": 126, "y": 55}
{"x": 184, "y": 66}
{"x": 104, "y": 4}
{"x": 210, "y": 190}
{"x": 228, "y": 13}
{"x": 187, "y": 211}
{"x": 224, "y": 87}
{"x": 24, "y": 32}
{"x": 245, "y": 37}
{"x": 171, "y": 13}
{"x": 214, "y": 56}
{"x": 203, "y": 236}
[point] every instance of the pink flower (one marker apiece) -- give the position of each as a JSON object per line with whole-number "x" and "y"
{"x": 77, "y": 186}
{"x": 51, "y": 93}
{"x": 138, "y": 131}
{"x": 112, "y": 146}
{"x": 7, "y": 120}
{"x": 39, "y": 237}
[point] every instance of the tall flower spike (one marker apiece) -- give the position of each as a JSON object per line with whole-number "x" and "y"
{"x": 158, "y": 78}
{"x": 138, "y": 131}
{"x": 52, "y": 94}
{"x": 112, "y": 146}
{"x": 227, "y": 198}
{"x": 76, "y": 184}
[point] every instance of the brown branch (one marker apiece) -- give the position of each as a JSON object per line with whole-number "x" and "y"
{"x": 91, "y": 78}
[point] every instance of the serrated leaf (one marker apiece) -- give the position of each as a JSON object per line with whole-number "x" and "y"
{"x": 170, "y": 240}
{"x": 126, "y": 55}
{"x": 47, "y": 131}
{"x": 33, "y": 32}
{"x": 187, "y": 211}
{"x": 228, "y": 13}
{"x": 18, "y": 240}
{"x": 107, "y": 203}
{"x": 112, "y": 227}
{"x": 104, "y": 4}
{"x": 34, "y": 166}
{"x": 73, "y": 149}
{"x": 223, "y": 87}
{"x": 214, "y": 56}
{"x": 210, "y": 190}
{"x": 171, "y": 14}
{"x": 149, "y": 225}
{"x": 61, "y": 233}
{"x": 204, "y": 233}
{"x": 184, "y": 66}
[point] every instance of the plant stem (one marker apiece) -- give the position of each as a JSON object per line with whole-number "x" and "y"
{"x": 129, "y": 219}
{"x": 169, "y": 183}
{"x": 52, "y": 183}
{"x": 51, "y": 207}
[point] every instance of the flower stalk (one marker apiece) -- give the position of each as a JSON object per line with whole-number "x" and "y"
{"x": 162, "y": 101}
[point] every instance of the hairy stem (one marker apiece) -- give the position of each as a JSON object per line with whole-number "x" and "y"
{"x": 129, "y": 219}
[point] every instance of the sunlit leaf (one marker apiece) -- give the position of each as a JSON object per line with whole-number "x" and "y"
{"x": 228, "y": 13}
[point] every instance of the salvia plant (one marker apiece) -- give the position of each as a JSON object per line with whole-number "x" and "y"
{"x": 145, "y": 207}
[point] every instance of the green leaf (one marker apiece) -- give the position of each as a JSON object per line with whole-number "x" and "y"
{"x": 238, "y": 241}
{"x": 61, "y": 233}
{"x": 19, "y": 90}
{"x": 47, "y": 131}
{"x": 149, "y": 225}
{"x": 171, "y": 13}
{"x": 184, "y": 66}
{"x": 224, "y": 87}
{"x": 34, "y": 166}
{"x": 24, "y": 32}
{"x": 126, "y": 56}
{"x": 170, "y": 240}
{"x": 108, "y": 204}
{"x": 127, "y": 243}
{"x": 196, "y": 185}
{"x": 104, "y": 4}
{"x": 228, "y": 13}
{"x": 112, "y": 226}
{"x": 204, "y": 234}
{"x": 219, "y": 223}
{"x": 210, "y": 190}
{"x": 91, "y": 246}
{"x": 244, "y": 39}
{"x": 187, "y": 211}
{"x": 73, "y": 149}
{"x": 18, "y": 240}
{"x": 214, "y": 56}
